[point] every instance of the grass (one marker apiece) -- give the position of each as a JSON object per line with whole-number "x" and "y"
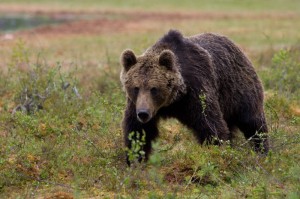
{"x": 203, "y": 5}
{"x": 61, "y": 105}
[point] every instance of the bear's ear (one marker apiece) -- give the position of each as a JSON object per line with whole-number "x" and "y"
{"x": 167, "y": 59}
{"x": 128, "y": 59}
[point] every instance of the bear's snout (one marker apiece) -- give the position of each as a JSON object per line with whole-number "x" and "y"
{"x": 144, "y": 107}
{"x": 143, "y": 115}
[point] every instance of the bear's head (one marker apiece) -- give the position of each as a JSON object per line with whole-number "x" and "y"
{"x": 151, "y": 81}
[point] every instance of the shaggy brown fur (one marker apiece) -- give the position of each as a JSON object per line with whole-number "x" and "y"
{"x": 169, "y": 78}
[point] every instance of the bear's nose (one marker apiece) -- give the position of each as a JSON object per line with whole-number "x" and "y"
{"x": 143, "y": 115}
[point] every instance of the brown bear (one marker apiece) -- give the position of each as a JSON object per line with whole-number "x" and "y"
{"x": 205, "y": 81}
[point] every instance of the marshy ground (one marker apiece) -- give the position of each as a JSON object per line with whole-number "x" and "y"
{"x": 61, "y": 101}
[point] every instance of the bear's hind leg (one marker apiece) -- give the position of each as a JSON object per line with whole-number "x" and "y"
{"x": 255, "y": 129}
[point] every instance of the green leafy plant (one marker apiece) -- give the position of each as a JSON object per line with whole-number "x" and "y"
{"x": 137, "y": 143}
{"x": 202, "y": 98}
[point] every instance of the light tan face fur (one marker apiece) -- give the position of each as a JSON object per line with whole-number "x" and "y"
{"x": 151, "y": 81}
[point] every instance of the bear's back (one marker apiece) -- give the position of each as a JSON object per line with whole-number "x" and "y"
{"x": 216, "y": 62}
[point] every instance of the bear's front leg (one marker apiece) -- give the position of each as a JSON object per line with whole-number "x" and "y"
{"x": 205, "y": 118}
{"x": 138, "y": 137}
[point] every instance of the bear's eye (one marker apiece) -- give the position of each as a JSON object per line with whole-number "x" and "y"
{"x": 136, "y": 90}
{"x": 154, "y": 91}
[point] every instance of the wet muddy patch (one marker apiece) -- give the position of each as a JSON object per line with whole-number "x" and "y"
{"x": 12, "y": 23}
